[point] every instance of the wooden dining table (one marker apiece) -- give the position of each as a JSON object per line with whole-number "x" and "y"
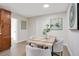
{"x": 43, "y": 42}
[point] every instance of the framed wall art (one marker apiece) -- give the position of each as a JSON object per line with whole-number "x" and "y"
{"x": 74, "y": 16}
{"x": 57, "y": 23}
{"x": 23, "y": 25}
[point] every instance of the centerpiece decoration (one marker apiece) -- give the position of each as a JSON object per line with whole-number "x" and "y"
{"x": 47, "y": 29}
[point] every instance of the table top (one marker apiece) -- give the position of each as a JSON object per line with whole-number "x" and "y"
{"x": 42, "y": 41}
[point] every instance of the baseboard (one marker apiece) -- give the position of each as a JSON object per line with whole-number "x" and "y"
{"x": 21, "y": 41}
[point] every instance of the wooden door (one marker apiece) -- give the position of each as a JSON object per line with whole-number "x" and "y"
{"x": 5, "y": 29}
{"x": 0, "y": 33}
{"x": 0, "y": 43}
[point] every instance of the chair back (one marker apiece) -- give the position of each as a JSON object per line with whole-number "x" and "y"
{"x": 58, "y": 46}
{"x": 34, "y": 51}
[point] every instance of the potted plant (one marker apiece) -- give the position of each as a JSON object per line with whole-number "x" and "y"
{"x": 47, "y": 29}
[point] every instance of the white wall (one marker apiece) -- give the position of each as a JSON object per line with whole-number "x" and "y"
{"x": 22, "y": 35}
{"x": 37, "y": 24}
{"x": 73, "y": 42}
{"x": 73, "y": 39}
{"x": 31, "y": 27}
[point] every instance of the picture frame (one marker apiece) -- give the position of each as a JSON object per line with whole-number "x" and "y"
{"x": 23, "y": 25}
{"x": 57, "y": 23}
{"x": 72, "y": 13}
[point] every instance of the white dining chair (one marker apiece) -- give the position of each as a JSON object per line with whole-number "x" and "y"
{"x": 58, "y": 46}
{"x": 35, "y": 51}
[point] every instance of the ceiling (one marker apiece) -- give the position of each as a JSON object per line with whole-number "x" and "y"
{"x": 34, "y": 9}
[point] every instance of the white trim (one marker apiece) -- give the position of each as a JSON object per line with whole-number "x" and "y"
{"x": 21, "y": 41}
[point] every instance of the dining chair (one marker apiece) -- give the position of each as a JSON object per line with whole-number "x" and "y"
{"x": 35, "y": 51}
{"x": 58, "y": 46}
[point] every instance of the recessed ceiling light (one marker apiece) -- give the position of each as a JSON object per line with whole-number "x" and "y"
{"x": 46, "y": 5}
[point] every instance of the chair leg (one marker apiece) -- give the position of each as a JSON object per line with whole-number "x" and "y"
{"x": 52, "y": 51}
{"x": 62, "y": 53}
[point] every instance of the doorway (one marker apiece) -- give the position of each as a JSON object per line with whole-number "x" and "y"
{"x": 13, "y": 31}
